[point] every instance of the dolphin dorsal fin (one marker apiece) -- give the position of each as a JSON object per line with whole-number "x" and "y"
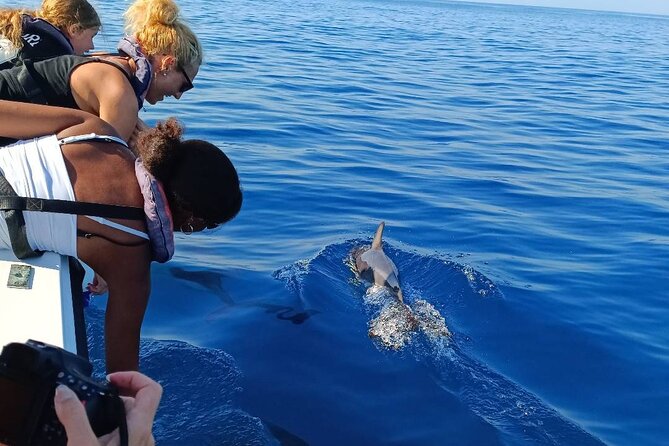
{"x": 376, "y": 244}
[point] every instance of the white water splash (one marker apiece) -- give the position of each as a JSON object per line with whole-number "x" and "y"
{"x": 479, "y": 283}
{"x": 431, "y": 321}
{"x": 394, "y": 326}
{"x": 396, "y": 323}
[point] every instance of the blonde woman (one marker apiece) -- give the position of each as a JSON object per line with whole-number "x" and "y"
{"x": 58, "y": 27}
{"x": 153, "y": 27}
{"x": 109, "y": 87}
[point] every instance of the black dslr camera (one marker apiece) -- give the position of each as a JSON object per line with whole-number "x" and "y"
{"x": 29, "y": 375}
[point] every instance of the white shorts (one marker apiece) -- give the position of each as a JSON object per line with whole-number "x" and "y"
{"x": 35, "y": 168}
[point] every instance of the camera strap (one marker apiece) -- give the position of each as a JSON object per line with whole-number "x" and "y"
{"x": 122, "y": 422}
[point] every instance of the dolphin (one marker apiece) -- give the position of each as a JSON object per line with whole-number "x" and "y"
{"x": 207, "y": 279}
{"x": 374, "y": 265}
{"x": 212, "y": 281}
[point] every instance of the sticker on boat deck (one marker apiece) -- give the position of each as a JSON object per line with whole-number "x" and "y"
{"x": 19, "y": 276}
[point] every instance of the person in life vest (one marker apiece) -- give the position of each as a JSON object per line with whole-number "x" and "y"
{"x": 58, "y": 27}
{"x": 104, "y": 87}
{"x": 107, "y": 207}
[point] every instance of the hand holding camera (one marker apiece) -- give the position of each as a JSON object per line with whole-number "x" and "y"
{"x": 140, "y": 410}
{"x": 49, "y": 398}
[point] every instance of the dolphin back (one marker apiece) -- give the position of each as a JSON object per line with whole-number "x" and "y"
{"x": 376, "y": 243}
{"x": 383, "y": 270}
{"x": 373, "y": 264}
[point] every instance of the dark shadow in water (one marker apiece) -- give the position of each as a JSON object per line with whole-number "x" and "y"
{"x": 207, "y": 279}
{"x": 212, "y": 281}
{"x": 283, "y": 312}
{"x": 284, "y": 437}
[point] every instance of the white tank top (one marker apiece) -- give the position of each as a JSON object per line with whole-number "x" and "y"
{"x": 36, "y": 169}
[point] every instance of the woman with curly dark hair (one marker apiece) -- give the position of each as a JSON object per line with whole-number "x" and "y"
{"x": 103, "y": 205}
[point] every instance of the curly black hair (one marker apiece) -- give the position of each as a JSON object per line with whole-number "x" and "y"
{"x": 197, "y": 176}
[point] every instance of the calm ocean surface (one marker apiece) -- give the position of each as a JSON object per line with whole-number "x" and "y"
{"x": 519, "y": 158}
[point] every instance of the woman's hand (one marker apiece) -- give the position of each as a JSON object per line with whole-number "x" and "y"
{"x": 98, "y": 286}
{"x": 139, "y": 128}
{"x": 140, "y": 410}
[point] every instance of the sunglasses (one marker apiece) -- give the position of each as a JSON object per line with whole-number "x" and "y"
{"x": 202, "y": 223}
{"x": 188, "y": 85}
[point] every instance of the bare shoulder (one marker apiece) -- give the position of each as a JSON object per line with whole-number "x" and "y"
{"x": 93, "y": 81}
{"x": 98, "y": 70}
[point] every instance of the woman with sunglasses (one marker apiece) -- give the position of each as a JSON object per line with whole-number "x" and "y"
{"x": 186, "y": 185}
{"x": 114, "y": 88}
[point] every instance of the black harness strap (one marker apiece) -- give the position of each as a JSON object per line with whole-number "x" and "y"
{"x": 16, "y": 203}
{"x": 16, "y": 225}
{"x": 12, "y": 206}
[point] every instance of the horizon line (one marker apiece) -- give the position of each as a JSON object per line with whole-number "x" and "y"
{"x": 574, "y": 8}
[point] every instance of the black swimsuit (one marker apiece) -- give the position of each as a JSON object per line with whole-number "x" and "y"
{"x": 45, "y": 82}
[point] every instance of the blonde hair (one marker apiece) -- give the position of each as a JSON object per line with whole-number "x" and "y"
{"x": 60, "y": 13}
{"x": 11, "y": 24}
{"x": 65, "y": 13}
{"x": 159, "y": 30}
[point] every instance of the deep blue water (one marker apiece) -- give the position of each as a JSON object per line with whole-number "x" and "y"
{"x": 519, "y": 159}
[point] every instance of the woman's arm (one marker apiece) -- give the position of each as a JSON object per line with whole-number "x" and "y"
{"x": 20, "y": 120}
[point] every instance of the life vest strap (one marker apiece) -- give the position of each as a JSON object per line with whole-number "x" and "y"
{"x": 16, "y": 225}
{"x": 15, "y": 203}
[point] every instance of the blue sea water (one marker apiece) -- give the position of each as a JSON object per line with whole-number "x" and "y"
{"x": 518, "y": 156}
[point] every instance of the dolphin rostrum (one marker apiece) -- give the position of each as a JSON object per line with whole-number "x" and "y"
{"x": 374, "y": 265}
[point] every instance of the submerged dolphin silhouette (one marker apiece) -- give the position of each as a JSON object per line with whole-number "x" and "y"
{"x": 284, "y": 437}
{"x": 212, "y": 281}
{"x": 374, "y": 265}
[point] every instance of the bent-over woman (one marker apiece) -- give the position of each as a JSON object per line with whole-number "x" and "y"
{"x": 189, "y": 185}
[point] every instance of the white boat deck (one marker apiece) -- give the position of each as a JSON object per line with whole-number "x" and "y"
{"x": 43, "y": 311}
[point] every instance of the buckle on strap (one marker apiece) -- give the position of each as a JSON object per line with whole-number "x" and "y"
{"x": 34, "y": 204}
